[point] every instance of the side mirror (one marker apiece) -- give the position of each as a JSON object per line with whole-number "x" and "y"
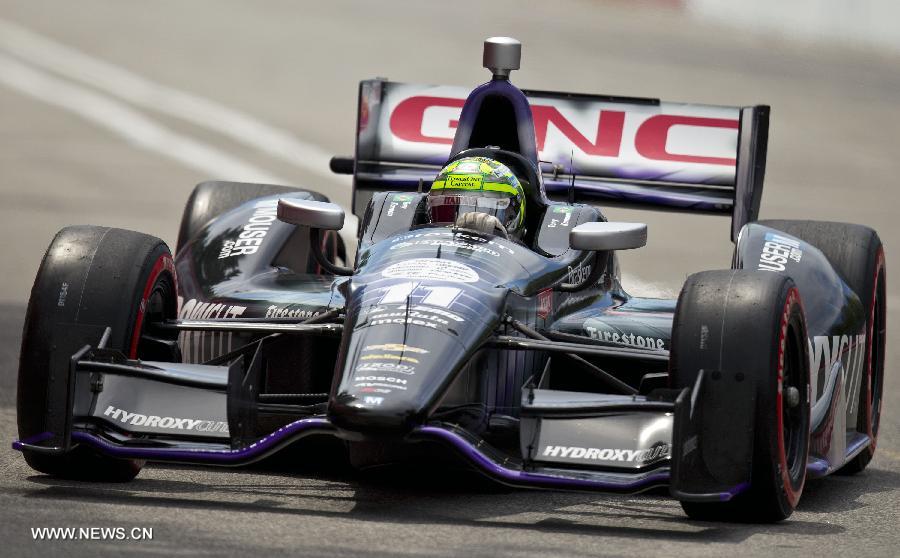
{"x": 318, "y": 216}
{"x": 601, "y": 237}
{"x": 311, "y": 213}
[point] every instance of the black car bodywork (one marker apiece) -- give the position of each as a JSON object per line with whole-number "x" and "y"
{"x": 527, "y": 358}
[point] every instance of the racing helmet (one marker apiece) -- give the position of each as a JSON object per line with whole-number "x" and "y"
{"x": 473, "y": 185}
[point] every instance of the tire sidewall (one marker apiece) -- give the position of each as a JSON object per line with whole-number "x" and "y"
{"x": 108, "y": 274}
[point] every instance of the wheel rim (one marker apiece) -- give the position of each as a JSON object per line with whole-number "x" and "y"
{"x": 795, "y": 419}
{"x": 156, "y": 343}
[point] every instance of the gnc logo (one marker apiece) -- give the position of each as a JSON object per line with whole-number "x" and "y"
{"x": 650, "y": 137}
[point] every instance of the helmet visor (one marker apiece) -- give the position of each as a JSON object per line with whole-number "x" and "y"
{"x": 446, "y": 208}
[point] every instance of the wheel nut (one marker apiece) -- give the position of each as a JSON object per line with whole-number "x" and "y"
{"x": 792, "y": 396}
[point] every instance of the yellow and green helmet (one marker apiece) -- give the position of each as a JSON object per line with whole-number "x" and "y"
{"x": 481, "y": 185}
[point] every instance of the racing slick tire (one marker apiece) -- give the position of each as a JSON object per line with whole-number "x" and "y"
{"x": 857, "y": 255}
{"x": 213, "y": 198}
{"x": 751, "y": 322}
{"x": 90, "y": 278}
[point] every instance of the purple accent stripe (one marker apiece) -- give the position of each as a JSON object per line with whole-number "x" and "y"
{"x": 816, "y": 467}
{"x": 734, "y": 491}
{"x": 619, "y": 483}
{"x": 255, "y": 451}
{"x": 298, "y": 429}
{"x": 856, "y": 445}
{"x": 31, "y": 440}
{"x": 698, "y": 198}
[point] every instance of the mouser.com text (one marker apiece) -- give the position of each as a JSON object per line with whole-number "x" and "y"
{"x": 253, "y": 232}
{"x": 153, "y": 421}
{"x": 607, "y": 454}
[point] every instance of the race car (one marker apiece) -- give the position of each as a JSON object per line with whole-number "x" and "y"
{"x": 483, "y": 315}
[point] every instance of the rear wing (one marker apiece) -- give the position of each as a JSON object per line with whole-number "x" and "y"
{"x": 613, "y": 150}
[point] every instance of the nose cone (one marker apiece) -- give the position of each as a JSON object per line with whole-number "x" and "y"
{"x": 420, "y": 305}
{"x": 401, "y": 357}
{"x": 395, "y": 375}
{"x": 370, "y": 416}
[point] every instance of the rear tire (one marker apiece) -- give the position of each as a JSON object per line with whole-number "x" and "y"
{"x": 857, "y": 255}
{"x": 751, "y": 322}
{"x": 90, "y": 278}
{"x": 213, "y": 198}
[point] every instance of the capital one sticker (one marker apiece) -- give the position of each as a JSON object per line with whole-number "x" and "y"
{"x": 431, "y": 268}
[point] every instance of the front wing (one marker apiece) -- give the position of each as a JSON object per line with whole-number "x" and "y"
{"x": 209, "y": 414}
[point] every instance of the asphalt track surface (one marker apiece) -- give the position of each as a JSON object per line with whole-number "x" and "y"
{"x": 83, "y": 144}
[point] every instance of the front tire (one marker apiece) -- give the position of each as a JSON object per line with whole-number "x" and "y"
{"x": 90, "y": 278}
{"x": 751, "y": 322}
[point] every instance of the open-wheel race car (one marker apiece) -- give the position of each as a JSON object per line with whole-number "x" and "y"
{"x": 483, "y": 314}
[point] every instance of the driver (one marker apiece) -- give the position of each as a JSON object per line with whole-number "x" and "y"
{"x": 479, "y": 194}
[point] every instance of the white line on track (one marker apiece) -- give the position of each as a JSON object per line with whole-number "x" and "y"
{"x": 68, "y": 62}
{"x": 128, "y": 123}
{"x": 129, "y": 86}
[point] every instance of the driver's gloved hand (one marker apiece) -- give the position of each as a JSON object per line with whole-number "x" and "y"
{"x": 481, "y": 223}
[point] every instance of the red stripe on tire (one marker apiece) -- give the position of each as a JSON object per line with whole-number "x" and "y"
{"x": 793, "y": 496}
{"x": 879, "y": 267}
{"x": 164, "y": 263}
